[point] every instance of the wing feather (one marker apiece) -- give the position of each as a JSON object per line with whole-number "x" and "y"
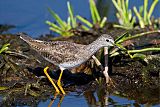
{"x": 61, "y": 51}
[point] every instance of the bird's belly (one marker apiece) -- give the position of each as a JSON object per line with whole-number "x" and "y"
{"x": 69, "y": 65}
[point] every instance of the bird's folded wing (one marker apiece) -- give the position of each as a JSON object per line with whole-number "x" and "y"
{"x": 61, "y": 51}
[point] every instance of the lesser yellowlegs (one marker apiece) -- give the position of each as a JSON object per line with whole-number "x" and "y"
{"x": 65, "y": 54}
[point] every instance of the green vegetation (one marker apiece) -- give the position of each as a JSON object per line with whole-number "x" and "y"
{"x": 144, "y": 16}
{"x": 124, "y": 15}
{"x": 4, "y": 48}
{"x": 95, "y": 17}
{"x": 132, "y": 53}
{"x": 64, "y": 28}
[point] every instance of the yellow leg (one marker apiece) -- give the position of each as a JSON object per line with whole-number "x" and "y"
{"x": 50, "y": 79}
{"x": 59, "y": 81}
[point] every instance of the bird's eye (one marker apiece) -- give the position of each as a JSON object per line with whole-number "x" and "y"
{"x": 107, "y": 40}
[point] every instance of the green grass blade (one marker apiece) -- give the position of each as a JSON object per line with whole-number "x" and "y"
{"x": 117, "y": 6}
{"x": 2, "y": 88}
{"x": 141, "y": 8}
{"x": 85, "y": 21}
{"x": 61, "y": 23}
{"x": 152, "y": 8}
{"x": 127, "y": 5}
{"x": 85, "y": 27}
{"x": 103, "y": 22}
{"x": 128, "y": 14}
{"x": 6, "y": 45}
{"x": 124, "y": 12}
{"x": 53, "y": 25}
{"x": 92, "y": 11}
{"x": 144, "y": 50}
{"x": 98, "y": 18}
{"x": 123, "y": 7}
{"x": 120, "y": 38}
{"x": 121, "y": 47}
{"x": 55, "y": 30}
{"x": 73, "y": 21}
{"x": 133, "y": 21}
{"x": 139, "y": 56}
{"x": 4, "y": 48}
{"x": 69, "y": 21}
{"x": 119, "y": 3}
{"x": 123, "y": 26}
{"x": 141, "y": 22}
{"x": 138, "y": 35}
{"x": 145, "y": 10}
{"x": 115, "y": 54}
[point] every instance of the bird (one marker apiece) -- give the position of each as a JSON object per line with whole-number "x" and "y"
{"x": 66, "y": 55}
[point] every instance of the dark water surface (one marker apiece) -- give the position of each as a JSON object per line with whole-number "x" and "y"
{"x": 30, "y": 15}
{"x": 74, "y": 100}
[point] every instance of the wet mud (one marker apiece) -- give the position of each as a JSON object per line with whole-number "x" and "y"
{"x": 22, "y": 80}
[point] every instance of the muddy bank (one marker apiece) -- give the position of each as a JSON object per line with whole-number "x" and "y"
{"x": 22, "y": 81}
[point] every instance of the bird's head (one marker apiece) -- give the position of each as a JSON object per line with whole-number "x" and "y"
{"x": 106, "y": 40}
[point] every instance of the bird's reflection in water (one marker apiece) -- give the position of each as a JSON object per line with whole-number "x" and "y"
{"x": 98, "y": 97}
{"x": 54, "y": 98}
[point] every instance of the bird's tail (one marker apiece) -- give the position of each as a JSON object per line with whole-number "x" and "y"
{"x": 35, "y": 44}
{"x": 25, "y": 37}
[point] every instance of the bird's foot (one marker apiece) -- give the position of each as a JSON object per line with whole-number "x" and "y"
{"x": 110, "y": 82}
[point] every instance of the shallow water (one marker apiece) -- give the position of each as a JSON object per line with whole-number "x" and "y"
{"x": 90, "y": 95}
{"x": 75, "y": 100}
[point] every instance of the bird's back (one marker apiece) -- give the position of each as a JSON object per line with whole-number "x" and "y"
{"x": 57, "y": 52}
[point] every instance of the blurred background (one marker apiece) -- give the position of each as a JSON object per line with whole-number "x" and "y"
{"x": 29, "y": 16}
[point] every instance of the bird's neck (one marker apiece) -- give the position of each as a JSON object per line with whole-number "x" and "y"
{"x": 93, "y": 47}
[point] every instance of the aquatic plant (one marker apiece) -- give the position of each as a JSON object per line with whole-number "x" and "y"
{"x": 97, "y": 20}
{"x": 124, "y": 15}
{"x": 144, "y": 16}
{"x": 132, "y": 53}
{"x": 63, "y": 28}
{"x": 4, "y": 48}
